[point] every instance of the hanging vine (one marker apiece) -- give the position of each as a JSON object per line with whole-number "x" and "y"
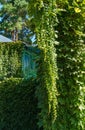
{"x": 43, "y": 13}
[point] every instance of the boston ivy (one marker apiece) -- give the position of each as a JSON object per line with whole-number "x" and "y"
{"x": 71, "y": 69}
{"x": 70, "y": 18}
{"x": 43, "y": 14}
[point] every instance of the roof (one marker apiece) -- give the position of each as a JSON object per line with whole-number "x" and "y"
{"x": 4, "y": 39}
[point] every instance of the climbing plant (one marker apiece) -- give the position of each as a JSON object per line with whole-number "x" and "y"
{"x": 70, "y": 62}
{"x": 71, "y": 66}
{"x": 43, "y": 14}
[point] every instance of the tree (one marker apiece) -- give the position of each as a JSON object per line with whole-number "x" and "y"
{"x": 14, "y": 15}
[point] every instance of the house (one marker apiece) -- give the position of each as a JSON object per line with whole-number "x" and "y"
{"x": 4, "y": 39}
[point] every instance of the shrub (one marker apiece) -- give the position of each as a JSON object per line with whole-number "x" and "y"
{"x": 18, "y": 105}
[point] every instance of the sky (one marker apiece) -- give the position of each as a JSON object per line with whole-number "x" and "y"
{"x": 0, "y": 5}
{"x": 0, "y": 8}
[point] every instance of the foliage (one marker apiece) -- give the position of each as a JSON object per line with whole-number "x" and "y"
{"x": 70, "y": 61}
{"x": 10, "y": 59}
{"x": 13, "y": 23}
{"x": 71, "y": 67}
{"x": 43, "y": 14}
{"x": 18, "y": 105}
{"x": 60, "y": 106}
{"x": 18, "y": 60}
{"x": 8, "y": 13}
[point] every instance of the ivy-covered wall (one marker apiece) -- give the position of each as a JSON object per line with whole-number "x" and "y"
{"x": 62, "y": 105}
{"x": 17, "y": 60}
{"x": 43, "y": 16}
{"x": 64, "y": 101}
{"x": 18, "y": 104}
{"x": 71, "y": 67}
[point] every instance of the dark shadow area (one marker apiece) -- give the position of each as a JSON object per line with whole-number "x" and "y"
{"x": 18, "y": 105}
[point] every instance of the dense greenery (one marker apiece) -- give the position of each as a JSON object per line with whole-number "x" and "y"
{"x": 11, "y": 59}
{"x": 12, "y": 24}
{"x": 18, "y": 60}
{"x": 59, "y": 27}
{"x": 70, "y": 61}
{"x": 71, "y": 68}
{"x": 18, "y": 105}
{"x": 46, "y": 91}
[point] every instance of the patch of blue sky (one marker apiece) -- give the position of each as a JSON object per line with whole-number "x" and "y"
{"x": 1, "y": 5}
{"x": 33, "y": 38}
{"x": 0, "y": 19}
{"x": 0, "y": 9}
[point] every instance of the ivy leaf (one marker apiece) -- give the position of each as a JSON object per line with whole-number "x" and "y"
{"x": 77, "y": 10}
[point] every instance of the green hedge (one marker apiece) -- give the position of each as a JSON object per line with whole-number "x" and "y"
{"x": 18, "y": 105}
{"x": 10, "y": 59}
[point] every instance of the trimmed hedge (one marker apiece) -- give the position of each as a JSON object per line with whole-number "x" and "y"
{"x": 18, "y": 105}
